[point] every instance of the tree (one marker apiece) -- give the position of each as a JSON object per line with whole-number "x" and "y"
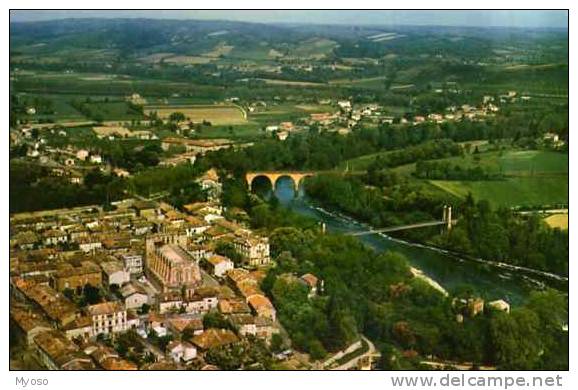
{"x": 515, "y": 339}
{"x": 177, "y": 117}
{"x": 277, "y": 343}
{"x": 92, "y": 295}
{"x": 215, "y": 319}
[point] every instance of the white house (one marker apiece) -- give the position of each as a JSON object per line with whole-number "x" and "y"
{"x": 82, "y": 154}
{"x": 254, "y": 249}
{"x": 245, "y": 323}
{"x": 115, "y": 273}
{"x": 107, "y": 317}
{"x": 133, "y": 263}
{"x": 133, "y": 296}
{"x": 96, "y": 159}
{"x": 181, "y": 351}
{"x": 501, "y": 305}
{"x": 219, "y": 265}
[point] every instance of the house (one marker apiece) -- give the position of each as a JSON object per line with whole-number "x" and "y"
{"x": 262, "y": 306}
{"x": 196, "y": 326}
{"x": 107, "y": 358}
{"x": 233, "y": 306}
{"x": 219, "y": 265}
{"x": 95, "y": 159}
{"x": 81, "y": 327}
{"x": 212, "y": 338}
{"x": 77, "y": 274}
{"x": 345, "y": 105}
{"x": 282, "y": 135}
{"x": 210, "y": 182}
{"x": 195, "y": 226}
{"x": 107, "y": 318}
{"x": 199, "y": 252}
{"x": 54, "y": 237}
{"x": 25, "y": 240}
{"x": 56, "y": 307}
{"x": 134, "y": 296}
{"x": 501, "y": 305}
{"x": 311, "y": 282}
{"x": 146, "y": 208}
{"x": 202, "y": 301}
{"x": 29, "y": 323}
{"x": 82, "y": 154}
{"x": 113, "y": 272}
{"x": 169, "y": 302}
{"x": 475, "y": 306}
{"x": 181, "y": 351}
{"x": 198, "y": 146}
{"x": 254, "y": 249}
{"x": 76, "y": 178}
{"x": 179, "y": 325}
{"x": 119, "y": 172}
{"x": 88, "y": 244}
{"x": 133, "y": 263}
{"x": 265, "y": 328}
{"x": 286, "y": 126}
{"x": 56, "y": 352}
{"x": 245, "y": 324}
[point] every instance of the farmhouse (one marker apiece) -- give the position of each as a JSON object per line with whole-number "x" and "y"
{"x": 199, "y": 146}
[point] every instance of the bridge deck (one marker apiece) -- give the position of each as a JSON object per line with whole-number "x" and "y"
{"x": 398, "y": 228}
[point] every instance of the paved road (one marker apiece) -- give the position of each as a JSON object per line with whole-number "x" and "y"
{"x": 353, "y": 363}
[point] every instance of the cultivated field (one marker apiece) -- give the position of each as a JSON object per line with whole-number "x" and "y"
{"x": 558, "y": 221}
{"x": 217, "y": 115}
{"x": 532, "y": 177}
{"x": 519, "y": 191}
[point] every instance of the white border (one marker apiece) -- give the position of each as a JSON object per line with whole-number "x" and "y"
{"x": 254, "y": 380}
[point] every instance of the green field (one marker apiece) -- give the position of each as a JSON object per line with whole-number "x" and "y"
{"x": 533, "y": 177}
{"x": 520, "y": 191}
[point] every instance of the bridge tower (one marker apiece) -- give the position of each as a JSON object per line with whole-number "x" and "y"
{"x": 447, "y": 217}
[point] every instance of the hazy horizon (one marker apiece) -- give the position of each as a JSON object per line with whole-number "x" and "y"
{"x": 461, "y": 18}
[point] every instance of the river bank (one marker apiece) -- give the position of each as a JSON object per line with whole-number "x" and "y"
{"x": 450, "y": 271}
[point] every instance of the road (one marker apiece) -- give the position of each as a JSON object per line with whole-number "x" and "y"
{"x": 353, "y": 363}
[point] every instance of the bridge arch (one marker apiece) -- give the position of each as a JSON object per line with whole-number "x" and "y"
{"x": 254, "y": 179}
{"x": 296, "y": 177}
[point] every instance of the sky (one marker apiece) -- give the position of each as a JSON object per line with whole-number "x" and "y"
{"x": 478, "y": 18}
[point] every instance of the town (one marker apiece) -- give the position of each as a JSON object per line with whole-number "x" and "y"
{"x": 223, "y": 195}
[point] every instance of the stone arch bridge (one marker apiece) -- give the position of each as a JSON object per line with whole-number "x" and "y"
{"x": 274, "y": 176}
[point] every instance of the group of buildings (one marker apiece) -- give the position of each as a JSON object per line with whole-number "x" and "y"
{"x": 82, "y": 277}
{"x": 345, "y": 116}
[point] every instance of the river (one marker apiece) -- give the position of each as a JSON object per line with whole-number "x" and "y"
{"x": 448, "y": 270}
